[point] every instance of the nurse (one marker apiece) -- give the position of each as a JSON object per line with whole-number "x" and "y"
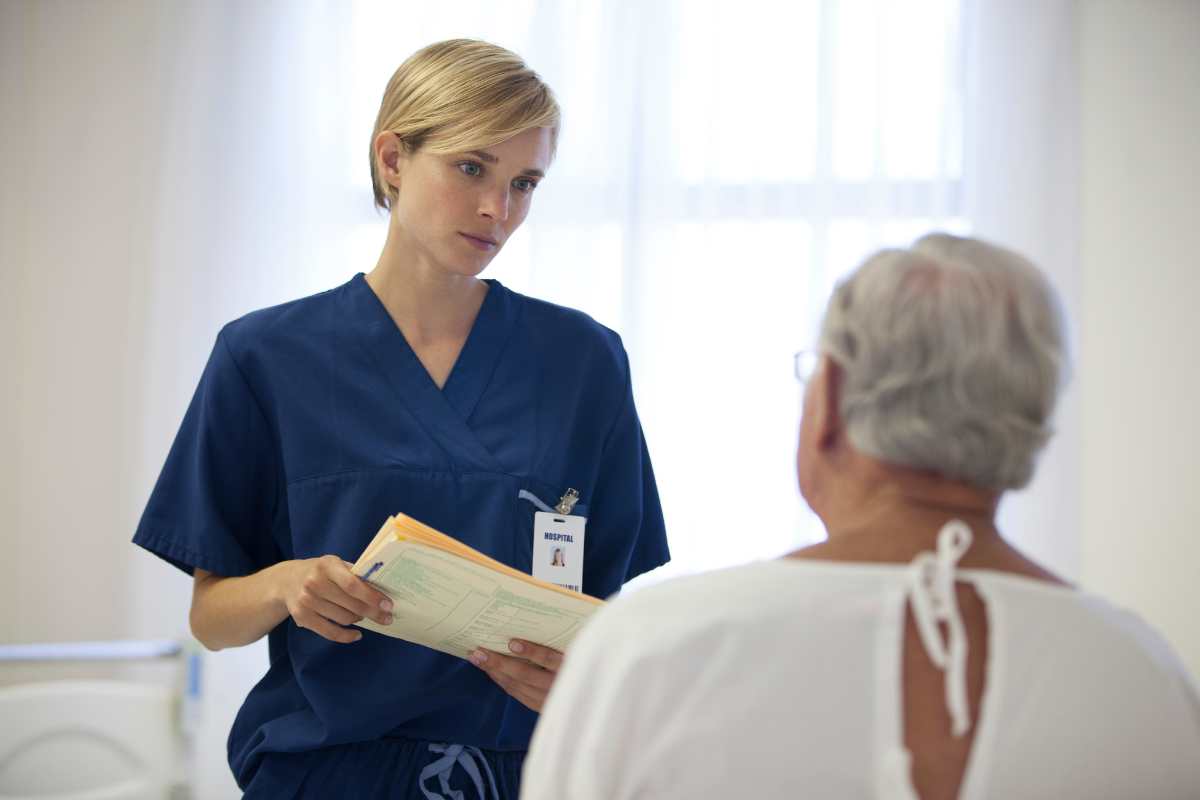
{"x": 417, "y": 388}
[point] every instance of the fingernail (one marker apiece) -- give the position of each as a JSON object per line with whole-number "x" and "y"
{"x": 516, "y": 646}
{"x": 387, "y": 619}
{"x": 385, "y": 604}
{"x": 478, "y": 657}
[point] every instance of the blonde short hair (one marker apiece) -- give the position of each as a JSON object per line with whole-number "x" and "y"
{"x": 459, "y": 95}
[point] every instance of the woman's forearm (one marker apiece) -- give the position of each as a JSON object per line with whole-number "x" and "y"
{"x": 319, "y": 594}
{"x": 231, "y": 612}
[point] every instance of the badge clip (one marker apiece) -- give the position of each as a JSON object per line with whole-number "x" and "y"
{"x": 567, "y": 502}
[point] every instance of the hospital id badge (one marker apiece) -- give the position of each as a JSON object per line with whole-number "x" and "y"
{"x": 558, "y": 549}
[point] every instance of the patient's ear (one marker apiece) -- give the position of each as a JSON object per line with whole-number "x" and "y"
{"x": 828, "y": 417}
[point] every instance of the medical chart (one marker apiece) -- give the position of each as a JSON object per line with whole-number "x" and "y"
{"x": 452, "y": 598}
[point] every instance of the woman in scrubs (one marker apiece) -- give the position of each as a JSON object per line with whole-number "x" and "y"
{"x": 417, "y": 388}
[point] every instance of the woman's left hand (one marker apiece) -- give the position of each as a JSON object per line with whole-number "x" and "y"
{"x": 527, "y": 676}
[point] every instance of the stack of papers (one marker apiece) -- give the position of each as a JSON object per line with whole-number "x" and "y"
{"x": 452, "y": 598}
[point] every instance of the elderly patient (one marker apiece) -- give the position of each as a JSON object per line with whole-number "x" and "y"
{"x": 915, "y": 653}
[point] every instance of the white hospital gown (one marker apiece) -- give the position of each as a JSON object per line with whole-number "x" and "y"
{"x": 782, "y": 679}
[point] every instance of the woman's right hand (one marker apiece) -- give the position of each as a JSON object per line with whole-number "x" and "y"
{"x": 324, "y": 596}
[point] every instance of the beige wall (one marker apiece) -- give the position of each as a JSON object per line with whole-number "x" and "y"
{"x": 94, "y": 374}
{"x": 1139, "y": 370}
{"x": 13, "y": 251}
{"x": 75, "y": 269}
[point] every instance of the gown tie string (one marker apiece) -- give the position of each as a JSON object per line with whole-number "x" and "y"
{"x": 932, "y": 597}
{"x": 453, "y": 755}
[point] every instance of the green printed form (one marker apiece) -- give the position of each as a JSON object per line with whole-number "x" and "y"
{"x": 454, "y": 605}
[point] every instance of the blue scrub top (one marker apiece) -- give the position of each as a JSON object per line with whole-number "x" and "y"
{"x": 314, "y": 421}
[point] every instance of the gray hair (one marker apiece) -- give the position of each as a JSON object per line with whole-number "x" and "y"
{"x": 953, "y": 355}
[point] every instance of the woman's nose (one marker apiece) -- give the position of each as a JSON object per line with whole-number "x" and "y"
{"x": 494, "y": 205}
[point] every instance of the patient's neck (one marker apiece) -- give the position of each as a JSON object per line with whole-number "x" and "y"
{"x": 911, "y": 502}
{"x": 876, "y": 511}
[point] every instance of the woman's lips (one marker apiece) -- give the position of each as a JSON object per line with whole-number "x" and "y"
{"x": 478, "y": 242}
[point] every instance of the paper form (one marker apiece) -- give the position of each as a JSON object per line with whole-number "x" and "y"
{"x": 454, "y": 605}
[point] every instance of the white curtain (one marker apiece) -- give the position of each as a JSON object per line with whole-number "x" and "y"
{"x": 721, "y": 165}
{"x": 1022, "y": 188}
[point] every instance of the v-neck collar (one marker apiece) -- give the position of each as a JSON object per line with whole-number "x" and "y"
{"x": 445, "y": 412}
{"x": 476, "y": 362}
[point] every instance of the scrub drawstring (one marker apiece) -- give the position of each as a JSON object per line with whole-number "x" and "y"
{"x": 931, "y": 594}
{"x": 452, "y": 755}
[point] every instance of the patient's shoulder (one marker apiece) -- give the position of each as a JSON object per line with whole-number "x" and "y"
{"x": 735, "y": 604}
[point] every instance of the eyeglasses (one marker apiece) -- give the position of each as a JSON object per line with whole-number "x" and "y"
{"x": 805, "y": 364}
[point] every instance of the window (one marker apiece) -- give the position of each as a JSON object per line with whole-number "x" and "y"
{"x": 720, "y": 167}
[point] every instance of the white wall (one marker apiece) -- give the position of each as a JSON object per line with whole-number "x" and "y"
{"x": 1139, "y": 370}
